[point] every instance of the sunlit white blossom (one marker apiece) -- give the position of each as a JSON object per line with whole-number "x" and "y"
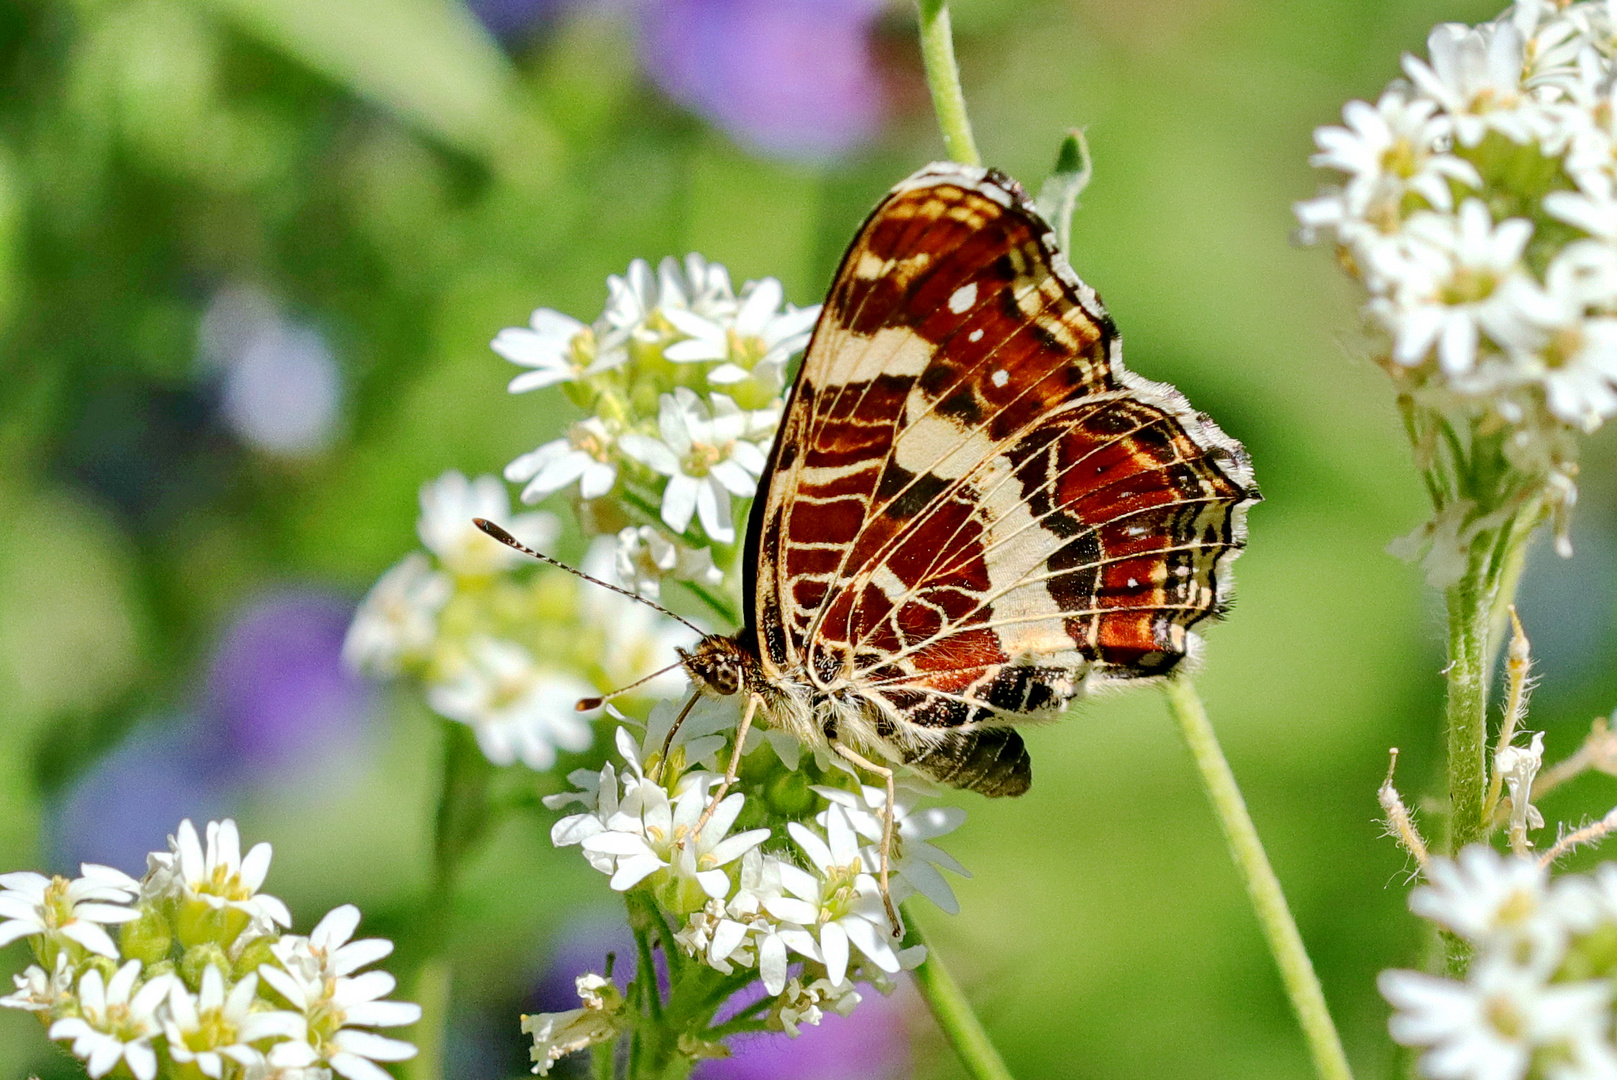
{"x": 218, "y": 876}
{"x": 550, "y": 346}
{"x": 586, "y": 454}
{"x": 334, "y": 1011}
{"x": 755, "y": 344}
{"x": 212, "y": 1026}
{"x": 69, "y": 911}
{"x": 41, "y": 991}
{"x": 327, "y": 952}
{"x": 1390, "y": 148}
{"x": 707, "y": 457}
{"x": 555, "y": 1035}
{"x": 801, "y": 1005}
{"x": 1475, "y": 73}
{"x": 915, "y": 861}
{"x": 645, "y": 557}
{"x": 517, "y": 708}
{"x": 116, "y": 1022}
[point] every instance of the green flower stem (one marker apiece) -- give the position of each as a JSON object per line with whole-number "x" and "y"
{"x": 1296, "y": 970}
{"x": 943, "y": 78}
{"x": 954, "y": 1014}
{"x": 1470, "y": 607}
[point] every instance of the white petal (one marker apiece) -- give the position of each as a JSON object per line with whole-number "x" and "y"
{"x": 354, "y": 1067}
{"x": 383, "y": 1013}
{"x": 834, "y": 944}
{"x": 375, "y": 1047}
{"x": 772, "y": 963}
{"x": 679, "y": 501}
{"x": 713, "y": 506}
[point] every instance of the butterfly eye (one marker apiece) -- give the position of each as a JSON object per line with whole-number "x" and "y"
{"x": 726, "y": 679}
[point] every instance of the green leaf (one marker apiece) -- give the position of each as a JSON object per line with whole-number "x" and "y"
{"x": 1058, "y": 196}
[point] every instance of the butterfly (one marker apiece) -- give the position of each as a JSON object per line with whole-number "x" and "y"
{"x": 972, "y": 512}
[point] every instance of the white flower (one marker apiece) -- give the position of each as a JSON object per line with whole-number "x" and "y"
{"x": 213, "y": 1026}
{"x": 1461, "y": 289}
{"x": 1488, "y": 1027}
{"x": 739, "y": 931}
{"x": 327, "y": 953}
{"x": 1572, "y": 355}
{"x": 914, "y": 862}
{"x": 706, "y": 457}
{"x": 263, "y": 1070}
{"x": 555, "y": 1035}
{"x": 839, "y": 904}
{"x": 1518, "y": 765}
{"x": 220, "y": 877}
{"x": 651, "y": 832}
{"x": 799, "y": 1004}
{"x": 515, "y": 707}
{"x": 585, "y": 454}
{"x": 1475, "y": 73}
{"x": 398, "y": 619}
{"x": 1390, "y": 148}
{"x": 448, "y": 505}
{"x": 1583, "y": 903}
{"x": 645, "y": 556}
{"x": 333, "y": 1009}
{"x": 116, "y": 1021}
{"x": 755, "y": 344}
{"x": 41, "y": 991}
{"x": 67, "y": 910}
{"x": 1482, "y": 896}
{"x": 549, "y": 344}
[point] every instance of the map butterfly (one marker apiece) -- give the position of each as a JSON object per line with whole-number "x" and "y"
{"x": 972, "y": 511}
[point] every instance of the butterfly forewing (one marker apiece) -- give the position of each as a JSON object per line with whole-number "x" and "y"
{"x": 972, "y": 509}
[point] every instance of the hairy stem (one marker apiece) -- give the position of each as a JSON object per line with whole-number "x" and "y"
{"x": 1470, "y": 607}
{"x": 954, "y": 1014}
{"x": 1296, "y": 970}
{"x": 943, "y": 78}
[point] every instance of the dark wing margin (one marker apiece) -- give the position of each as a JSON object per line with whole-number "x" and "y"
{"x": 972, "y": 510}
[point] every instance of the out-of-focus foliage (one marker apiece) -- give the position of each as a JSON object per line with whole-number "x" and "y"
{"x": 365, "y": 191}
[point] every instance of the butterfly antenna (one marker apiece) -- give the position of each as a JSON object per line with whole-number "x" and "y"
{"x": 512, "y": 542}
{"x": 590, "y": 704}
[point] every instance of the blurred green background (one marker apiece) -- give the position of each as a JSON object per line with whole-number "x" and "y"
{"x": 251, "y": 256}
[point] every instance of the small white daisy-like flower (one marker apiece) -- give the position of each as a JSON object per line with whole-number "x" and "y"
{"x": 397, "y": 622}
{"x": 327, "y": 953}
{"x": 915, "y": 861}
{"x": 555, "y": 1035}
{"x": 218, "y": 876}
{"x": 116, "y": 1022}
{"x": 516, "y": 708}
{"x": 706, "y": 456}
{"x": 333, "y": 1011}
{"x": 754, "y": 344}
{"x": 1464, "y": 289}
{"x": 213, "y": 1027}
{"x": 739, "y": 931}
{"x": 1488, "y": 1027}
{"x": 1390, "y": 148}
{"x": 448, "y": 505}
{"x": 68, "y": 911}
{"x": 838, "y": 904}
{"x": 1475, "y": 74}
{"x": 586, "y": 454}
{"x": 557, "y": 347}
{"x": 41, "y": 991}
{"x": 651, "y": 832}
{"x": 1482, "y": 896}
{"x": 645, "y": 557}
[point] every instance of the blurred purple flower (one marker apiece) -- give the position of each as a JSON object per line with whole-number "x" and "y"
{"x": 795, "y": 78}
{"x": 509, "y": 20}
{"x": 131, "y": 800}
{"x": 871, "y": 1044}
{"x": 277, "y": 688}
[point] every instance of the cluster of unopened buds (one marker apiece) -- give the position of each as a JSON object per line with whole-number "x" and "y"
{"x": 202, "y": 976}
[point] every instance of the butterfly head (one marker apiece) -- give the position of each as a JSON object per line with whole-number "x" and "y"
{"x": 718, "y": 665}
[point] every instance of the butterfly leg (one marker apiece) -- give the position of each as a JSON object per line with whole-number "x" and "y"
{"x": 735, "y": 763}
{"x": 886, "y": 829}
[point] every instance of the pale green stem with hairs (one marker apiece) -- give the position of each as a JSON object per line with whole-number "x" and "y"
{"x": 1268, "y": 901}
{"x": 954, "y": 1014}
{"x": 943, "y": 78}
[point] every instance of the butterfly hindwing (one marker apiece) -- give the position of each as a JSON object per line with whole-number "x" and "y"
{"x": 972, "y": 509}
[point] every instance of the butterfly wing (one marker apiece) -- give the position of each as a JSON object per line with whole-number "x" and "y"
{"x": 973, "y": 510}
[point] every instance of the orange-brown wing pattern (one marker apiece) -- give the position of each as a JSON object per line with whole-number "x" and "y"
{"x": 973, "y": 509}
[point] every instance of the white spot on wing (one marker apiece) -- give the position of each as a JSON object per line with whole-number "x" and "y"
{"x": 1000, "y": 377}
{"x": 963, "y": 298}
{"x": 975, "y": 335}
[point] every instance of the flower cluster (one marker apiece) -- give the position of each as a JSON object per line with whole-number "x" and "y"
{"x": 502, "y": 647}
{"x": 793, "y": 901}
{"x": 203, "y": 977}
{"x": 682, "y": 377}
{"x": 1478, "y": 208}
{"x": 1537, "y": 999}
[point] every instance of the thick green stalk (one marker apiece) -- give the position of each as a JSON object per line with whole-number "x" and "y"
{"x": 943, "y": 78}
{"x": 954, "y": 1014}
{"x": 1268, "y": 901}
{"x": 1470, "y": 605}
